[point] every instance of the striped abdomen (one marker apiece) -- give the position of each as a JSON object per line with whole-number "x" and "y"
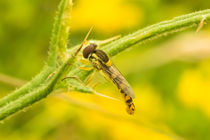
{"x": 129, "y": 103}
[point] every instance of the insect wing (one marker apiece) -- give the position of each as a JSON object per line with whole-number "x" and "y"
{"x": 114, "y": 74}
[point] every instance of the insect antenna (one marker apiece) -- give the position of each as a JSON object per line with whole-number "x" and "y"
{"x": 84, "y": 41}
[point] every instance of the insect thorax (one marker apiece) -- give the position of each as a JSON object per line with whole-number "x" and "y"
{"x": 95, "y": 61}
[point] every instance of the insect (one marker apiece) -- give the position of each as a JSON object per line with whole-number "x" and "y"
{"x": 100, "y": 60}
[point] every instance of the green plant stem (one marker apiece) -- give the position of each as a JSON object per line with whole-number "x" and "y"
{"x": 35, "y": 82}
{"x": 164, "y": 28}
{"x": 139, "y": 37}
{"x": 56, "y": 34}
{"x": 64, "y": 33}
{"x": 38, "y": 94}
{"x": 48, "y": 69}
{"x": 157, "y": 30}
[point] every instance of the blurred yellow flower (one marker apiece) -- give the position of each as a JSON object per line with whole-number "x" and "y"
{"x": 106, "y": 16}
{"x": 121, "y": 128}
{"x": 194, "y": 88}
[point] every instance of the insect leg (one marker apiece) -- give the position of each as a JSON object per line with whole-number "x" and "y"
{"x": 89, "y": 78}
{"x": 84, "y": 61}
{"x": 72, "y": 77}
{"x": 86, "y": 68}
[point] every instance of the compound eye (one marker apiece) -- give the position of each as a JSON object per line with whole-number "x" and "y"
{"x": 88, "y": 50}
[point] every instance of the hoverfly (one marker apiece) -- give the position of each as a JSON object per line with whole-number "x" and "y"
{"x": 100, "y": 60}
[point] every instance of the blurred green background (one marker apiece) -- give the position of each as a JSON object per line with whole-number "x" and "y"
{"x": 170, "y": 76}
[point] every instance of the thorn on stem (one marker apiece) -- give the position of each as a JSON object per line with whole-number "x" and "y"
{"x": 51, "y": 74}
{"x": 103, "y": 42}
{"x": 202, "y": 22}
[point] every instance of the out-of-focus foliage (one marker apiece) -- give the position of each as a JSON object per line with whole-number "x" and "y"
{"x": 170, "y": 76}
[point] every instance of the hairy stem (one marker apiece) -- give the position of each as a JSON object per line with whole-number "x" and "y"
{"x": 56, "y": 32}
{"x": 149, "y": 33}
{"x": 26, "y": 96}
{"x": 38, "y": 94}
{"x": 35, "y": 82}
{"x": 48, "y": 69}
{"x": 157, "y": 30}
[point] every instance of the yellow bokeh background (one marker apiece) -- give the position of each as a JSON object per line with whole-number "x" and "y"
{"x": 106, "y": 16}
{"x": 170, "y": 76}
